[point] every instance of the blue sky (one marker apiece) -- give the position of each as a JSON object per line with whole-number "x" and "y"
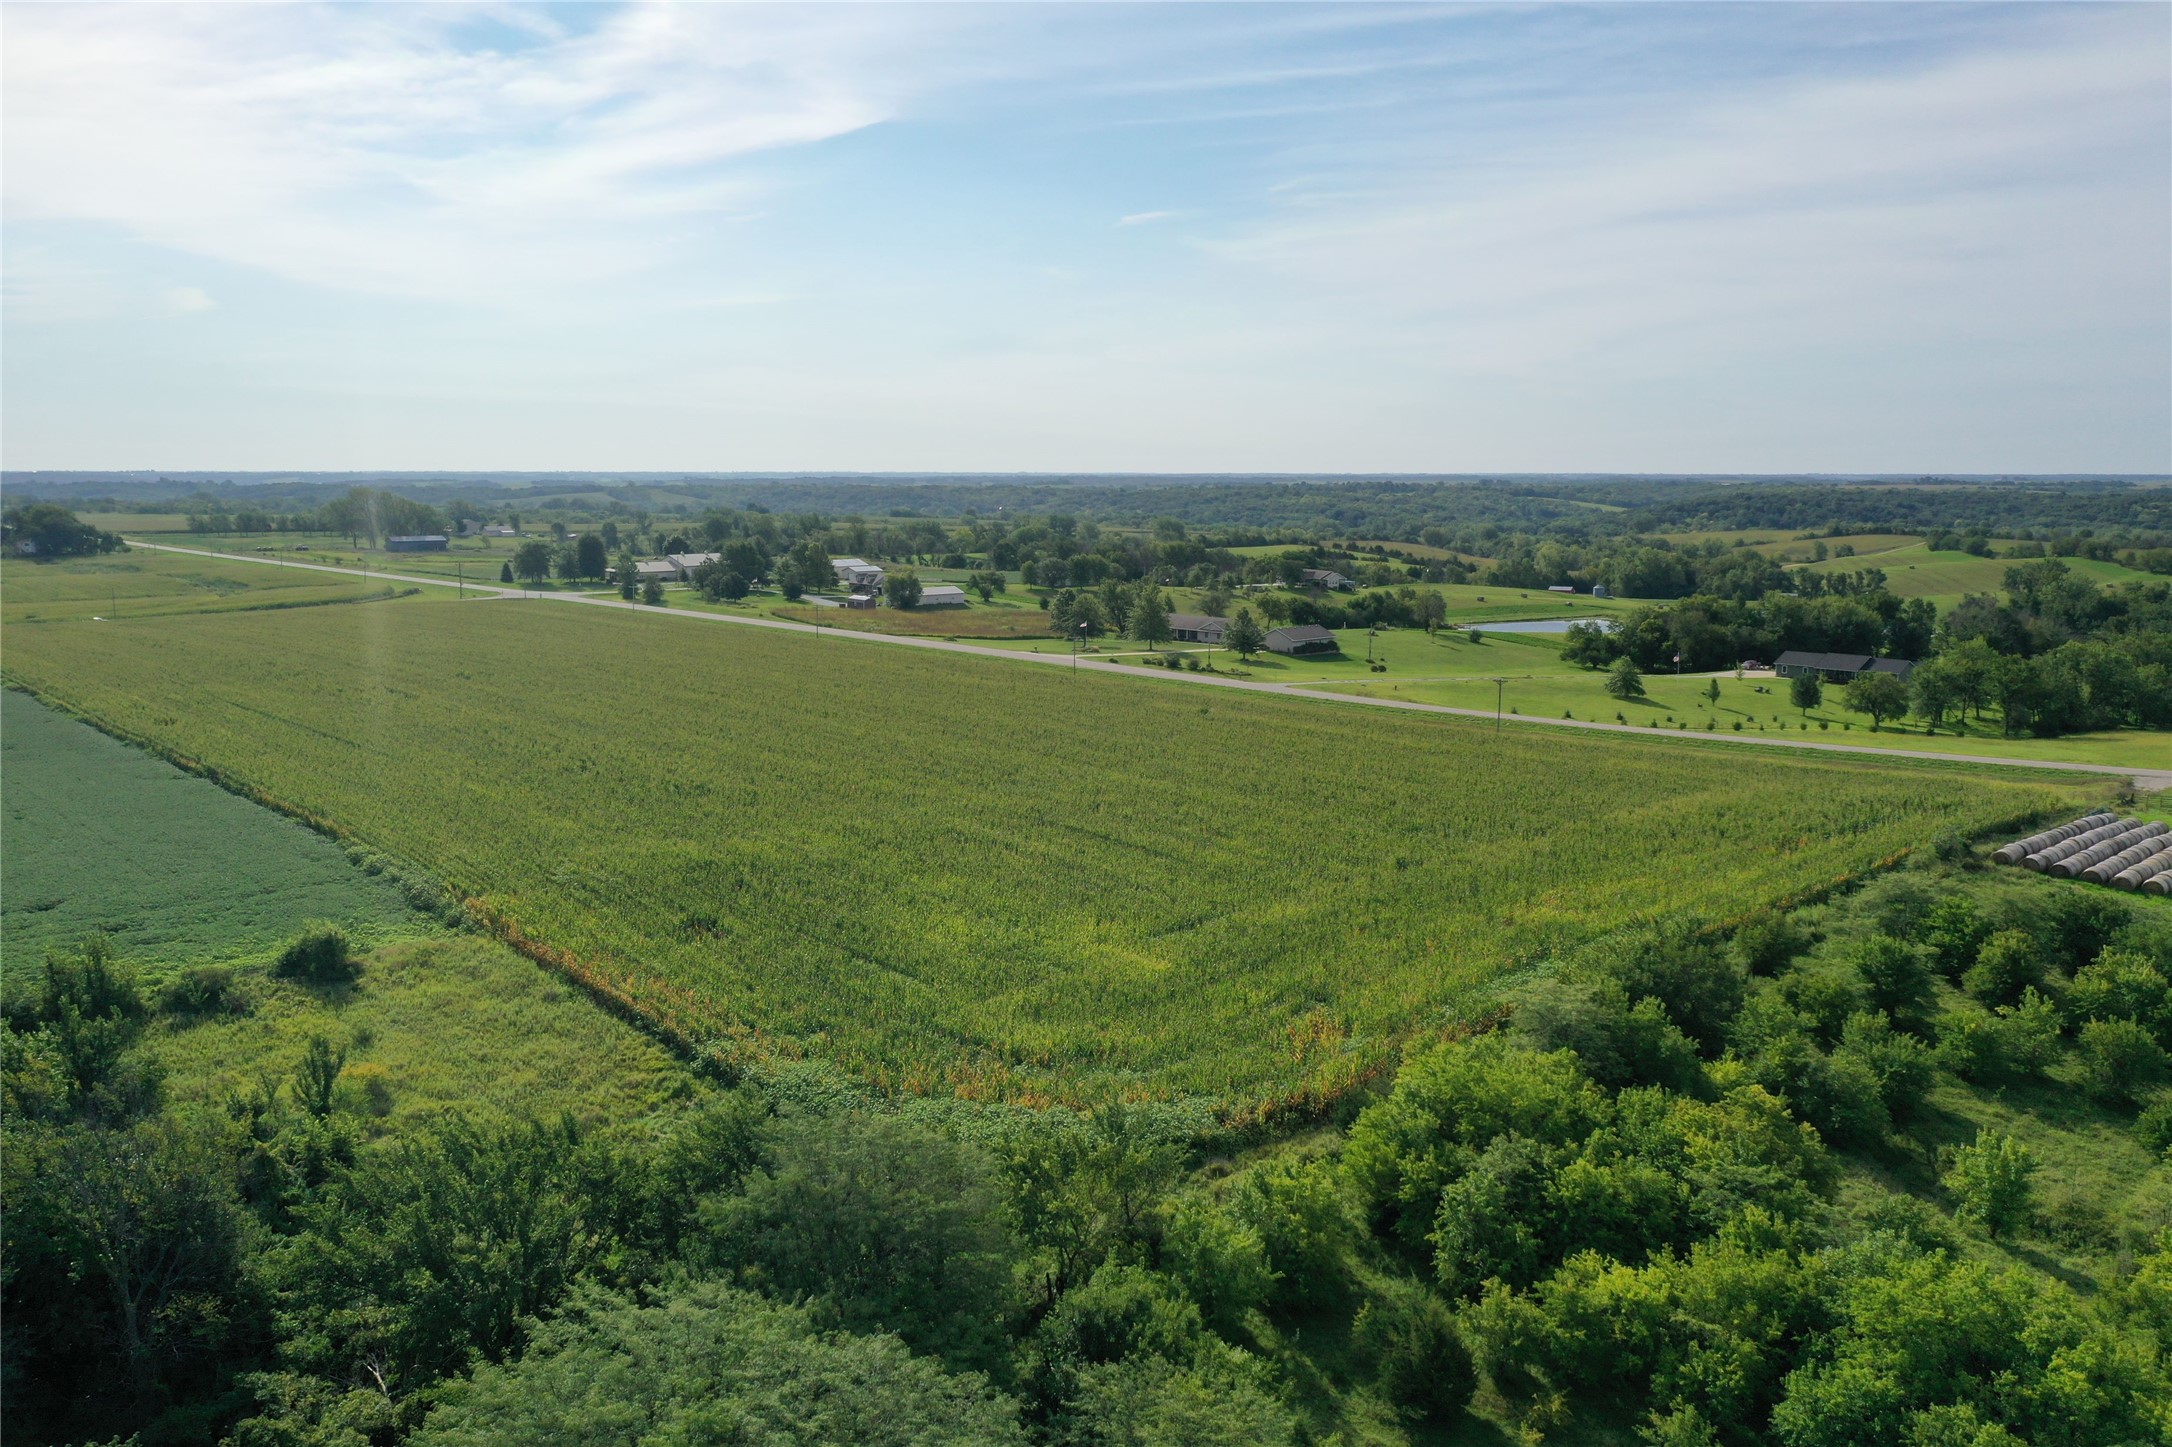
{"x": 1108, "y": 237}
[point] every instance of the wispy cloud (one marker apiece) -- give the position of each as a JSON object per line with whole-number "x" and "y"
{"x": 374, "y": 149}
{"x": 1144, "y": 218}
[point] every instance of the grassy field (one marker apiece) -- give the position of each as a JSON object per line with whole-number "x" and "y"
{"x": 101, "y": 836}
{"x": 953, "y": 872}
{"x": 138, "y": 522}
{"x": 177, "y": 871}
{"x": 144, "y": 584}
{"x": 1451, "y": 669}
{"x": 452, "y": 1021}
{"x": 1945, "y": 578}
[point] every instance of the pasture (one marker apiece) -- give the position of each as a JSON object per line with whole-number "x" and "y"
{"x": 950, "y": 872}
{"x": 1946, "y": 578}
{"x": 101, "y": 836}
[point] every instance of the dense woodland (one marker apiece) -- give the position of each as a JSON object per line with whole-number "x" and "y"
{"x": 1690, "y": 1181}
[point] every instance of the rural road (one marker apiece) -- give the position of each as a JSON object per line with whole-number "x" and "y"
{"x": 2150, "y": 780}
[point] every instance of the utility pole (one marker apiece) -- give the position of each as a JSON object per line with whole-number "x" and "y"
{"x": 1498, "y": 685}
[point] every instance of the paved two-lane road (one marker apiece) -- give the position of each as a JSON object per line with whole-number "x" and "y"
{"x": 2148, "y": 779}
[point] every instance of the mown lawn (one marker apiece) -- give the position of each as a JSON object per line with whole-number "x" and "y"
{"x": 948, "y": 871}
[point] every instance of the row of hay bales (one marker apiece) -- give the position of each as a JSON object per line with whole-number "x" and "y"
{"x": 2101, "y": 848}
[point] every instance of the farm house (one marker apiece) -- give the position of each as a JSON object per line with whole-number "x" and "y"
{"x": 1838, "y": 667}
{"x": 1196, "y": 628}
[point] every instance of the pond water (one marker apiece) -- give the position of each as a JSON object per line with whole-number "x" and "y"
{"x": 1540, "y": 625}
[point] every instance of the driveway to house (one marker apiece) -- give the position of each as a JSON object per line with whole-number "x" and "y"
{"x": 2150, "y": 780}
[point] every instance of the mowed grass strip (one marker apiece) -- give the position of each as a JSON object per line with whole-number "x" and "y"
{"x": 955, "y": 872}
{"x": 95, "y": 835}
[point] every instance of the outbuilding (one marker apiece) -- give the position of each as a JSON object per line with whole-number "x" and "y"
{"x": 941, "y": 595}
{"x": 856, "y": 574}
{"x": 417, "y": 543}
{"x": 1302, "y": 639}
{"x": 686, "y": 563}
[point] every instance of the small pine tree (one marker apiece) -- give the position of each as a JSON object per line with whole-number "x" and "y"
{"x": 505, "y": 572}
{"x": 1244, "y": 636}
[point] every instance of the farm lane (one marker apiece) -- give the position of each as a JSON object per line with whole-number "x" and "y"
{"x": 2146, "y": 779}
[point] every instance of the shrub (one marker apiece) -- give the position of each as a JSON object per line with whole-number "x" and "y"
{"x": 2122, "y": 985}
{"x": 1990, "y": 1182}
{"x": 2154, "y": 1124}
{"x": 1220, "y": 1260}
{"x": 373, "y": 1083}
{"x": 1297, "y": 1210}
{"x": 1895, "y": 980}
{"x": 2008, "y": 963}
{"x": 1899, "y": 1062}
{"x": 1769, "y": 943}
{"x": 1953, "y": 932}
{"x": 1409, "y": 1336}
{"x": 202, "y": 990}
{"x": 2121, "y": 1064}
{"x": 319, "y": 955}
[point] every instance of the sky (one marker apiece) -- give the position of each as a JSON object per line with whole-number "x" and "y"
{"x": 1105, "y": 237}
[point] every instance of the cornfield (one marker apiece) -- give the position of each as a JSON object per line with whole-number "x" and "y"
{"x": 953, "y": 873}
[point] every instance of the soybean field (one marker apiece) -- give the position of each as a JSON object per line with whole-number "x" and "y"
{"x": 96, "y": 835}
{"x": 949, "y": 872}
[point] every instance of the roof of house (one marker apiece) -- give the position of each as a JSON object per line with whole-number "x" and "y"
{"x": 1843, "y": 662}
{"x": 691, "y": 561}
{"x": 1300, "y": 633}
{"x": 1323, "y": 575}
{"x": 655, "y": 565}
{"x": 1197, "y": 622}
{"x": 847, "y": 563}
